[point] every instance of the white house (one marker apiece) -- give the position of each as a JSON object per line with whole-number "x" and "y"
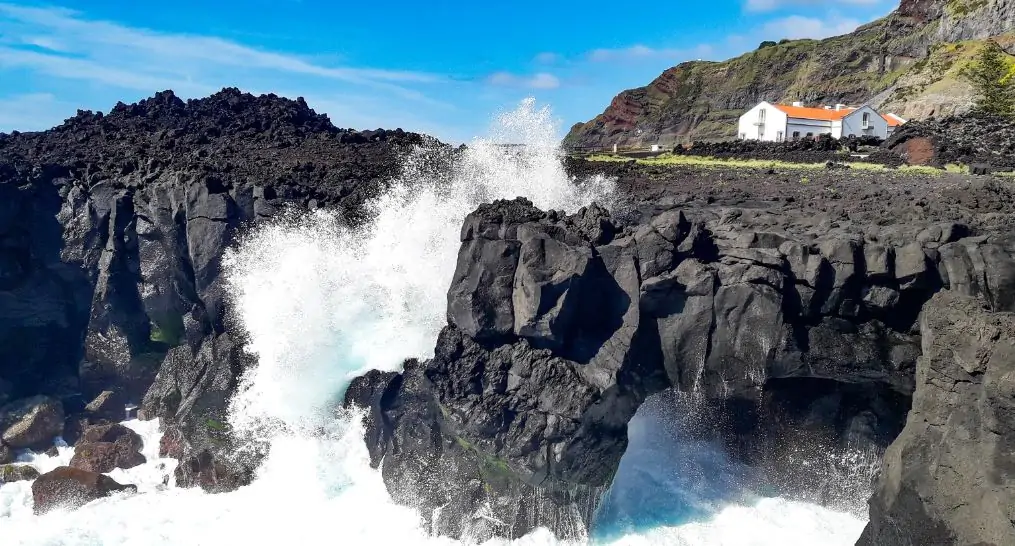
{"x": 780, "y": 122}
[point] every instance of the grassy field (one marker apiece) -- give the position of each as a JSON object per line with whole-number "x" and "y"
{"x": 701, "y": 161}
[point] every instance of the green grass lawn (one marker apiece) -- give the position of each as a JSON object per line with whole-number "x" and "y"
{"x": 703, "y": 161}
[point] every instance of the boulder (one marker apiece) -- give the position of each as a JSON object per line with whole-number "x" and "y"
{"x": 108, "y": 405}
{"x": 105, "y": 457}
{"x": 879, "y": 261}
{"x": 949, "y": 478}
{"x": 71, "y": 488}
{"x": 111, "y": 433}
{"x": 32, "y": 423}
{"x": 880, "y": 298}
{"x": 17, "y": 473}
{"x": 103, "y": 448}
{"x": 978, "y": 269}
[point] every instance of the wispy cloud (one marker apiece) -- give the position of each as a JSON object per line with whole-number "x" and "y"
{"x": 64, "y": 44}
{"x": 542, "y": 80}
{"x": 798, "y": 26}
{"x": 640, "y": 51}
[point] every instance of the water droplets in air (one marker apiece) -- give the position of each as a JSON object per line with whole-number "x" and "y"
{"x": 323, "y": 301}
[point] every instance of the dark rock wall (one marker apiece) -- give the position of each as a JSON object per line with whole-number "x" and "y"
{"x": 950, "y": 476}
{"x": 112, "y": 233}
{"x": 561, "y": 326}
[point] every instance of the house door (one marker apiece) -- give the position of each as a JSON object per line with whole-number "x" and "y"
{"x": 778, "y": 136}
{"x": 761, "y": 132}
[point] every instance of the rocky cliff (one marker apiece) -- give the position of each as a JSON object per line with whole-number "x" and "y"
{"x": 907, "y": 62}
{"x": 795, "y": 324}
{"x": 803, "y": 314}
{"x": 950, "y": 477}
{"x": 112, "y": 232}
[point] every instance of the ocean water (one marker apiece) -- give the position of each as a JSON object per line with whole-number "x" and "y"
{"x": 322, "y": 303}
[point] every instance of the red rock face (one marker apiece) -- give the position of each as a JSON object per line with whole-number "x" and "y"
{"x": 917, "y": 151}
{"x": 623, "y": 113}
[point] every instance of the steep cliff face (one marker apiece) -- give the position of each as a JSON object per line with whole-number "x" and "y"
{"x": 559, "y": 328}
{"x": 907, "y": 62}
{"x": 959, "y": 438}
{"x": 112, "y": 232}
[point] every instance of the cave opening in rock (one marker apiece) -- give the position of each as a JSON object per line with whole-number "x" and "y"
{"x": 808, "y": 440}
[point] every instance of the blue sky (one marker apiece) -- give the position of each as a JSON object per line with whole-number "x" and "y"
{"x": 439, "y": 67}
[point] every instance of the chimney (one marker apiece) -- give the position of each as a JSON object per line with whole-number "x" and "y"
{"x": 798, "y": 104}
{"x": 828, "y": 107}
{"x": 839, "y": 107}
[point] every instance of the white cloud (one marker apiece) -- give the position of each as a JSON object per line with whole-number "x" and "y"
{"x": 756, "y": 6}
{"x": 798, "y": 26}
{"x": 542, "y": 80}
{"x": 61, "y": 43}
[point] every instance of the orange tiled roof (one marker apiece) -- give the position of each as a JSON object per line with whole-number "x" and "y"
{"x": 803, "y": 112}
{"x": 892, "y": 120}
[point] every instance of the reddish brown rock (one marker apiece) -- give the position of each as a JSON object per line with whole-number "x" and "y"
{"x": 103, "y": 448}
{"x": 106, "y": 456}
{"x": 71, "y": 488}
{"x": 111, "y": 433}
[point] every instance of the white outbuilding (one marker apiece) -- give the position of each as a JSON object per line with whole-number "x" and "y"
{"x": 781, "y": 122}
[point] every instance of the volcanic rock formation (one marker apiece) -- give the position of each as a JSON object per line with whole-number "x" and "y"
{"x": 950, "y": 476}
{"x": 112, "y": 232}
{"x": 770, "y": 296}
{"x": 560, "y": 326}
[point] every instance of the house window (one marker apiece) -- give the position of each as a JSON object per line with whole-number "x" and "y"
{"x": 743, "y": 136}
{"x": 866, "y": 120}
{"x": 778, "y": 136}
{"x": 851, "y": 135}
{"x": 761, "y": 115}
{"x": 810, "y": 135}
{"x": 796, "y": 135}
